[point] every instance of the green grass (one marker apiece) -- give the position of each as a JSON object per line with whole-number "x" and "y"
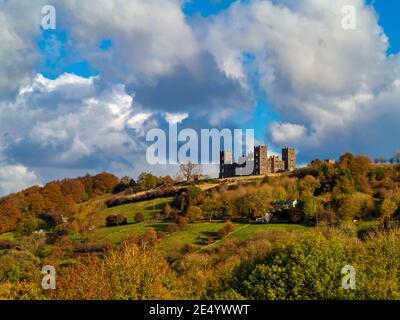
{"x": 198, "y": 235}
{"x": 117, "y": 234}
{"x": 367, "y": 224}
{"x": 205, "y": 235}
{"x": 149, "y": 209}
{"x": 255, "y": 229}
{"x": 9, "y": 236}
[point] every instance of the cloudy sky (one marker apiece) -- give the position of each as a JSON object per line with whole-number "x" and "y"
{"x": 82, "y": 97}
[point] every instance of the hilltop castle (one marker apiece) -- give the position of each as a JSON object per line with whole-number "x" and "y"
{"x": 259, "y": 161}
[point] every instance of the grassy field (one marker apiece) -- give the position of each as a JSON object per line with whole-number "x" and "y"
{"x": 116, "y": 234}
{"x": 148, "y": 208}
{"x": 254, "y": 229}
{"x": 197, "y": 235}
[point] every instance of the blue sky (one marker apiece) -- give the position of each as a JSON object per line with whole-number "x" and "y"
{"x": 388, "y": 13}
{"x": 82, "y": 97}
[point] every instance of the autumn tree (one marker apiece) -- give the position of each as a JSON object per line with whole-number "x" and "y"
{"x": 52, "y": 195}
{"x": 36, "y": 204}
{"x": 194, "y": 213}
{"x": 308, "y": 185}
{"x": 74, "y": 188}
{"x": 355, "y": 205}
{"x": 212, "y": 209}
{"x": 253, "y": 204}
{"x": 147, "y": 181}
{"x": 131, "y": 272}
{"x": 189, "y": 170}
{"x": 387, "y": 209}
{"x": 104, "y": 183}
{"x": 10, "y": 215}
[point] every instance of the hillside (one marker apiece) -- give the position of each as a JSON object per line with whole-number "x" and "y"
{"x": 204, "y": 239}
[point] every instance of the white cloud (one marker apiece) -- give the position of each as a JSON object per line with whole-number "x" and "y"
{"x": 20, "y": 28}
{"x": 150, "y": 38}
{"x": 321, "y": 80}
{"x": 287, "y": 132}
{"x": 70, "y": 119}
{"x": 175, "y": 118}
{"x": 16, "y": 177}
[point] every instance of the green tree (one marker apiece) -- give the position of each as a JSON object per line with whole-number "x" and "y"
{"x": 311, "y": 207}
{"x": 194, "y": 213}
{"x": 147, "y": 181}
{"x": 355, "y": 205}
{"x": 212, "y": 209}
{"x": 253, "y": 204}
{"x": 304, "y": 269}
{"x": 308, "y": 185}
{"x": 387, "y": 210}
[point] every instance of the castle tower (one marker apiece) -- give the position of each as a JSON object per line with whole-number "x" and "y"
{"x": 260, "y": 160}
{"x": 225, "y": 163}
{"x": 289, "y": 158}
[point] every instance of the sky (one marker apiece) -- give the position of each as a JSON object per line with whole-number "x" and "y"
{"x": 81, "y": 98}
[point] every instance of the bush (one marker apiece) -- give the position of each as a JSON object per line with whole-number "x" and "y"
{"x": 189, "y": 248}
{"x": 16, "y": 265}
{"x": 129, "y": 272}
{"x": 182, "y": 222}
{"x": 28, "y": 225}
{"x": 52, "y": 237}
{"x": 167, "y": 210}
{"x": 139, "y": 217}
{"x": 305, "y": 269}
{"x": 226, "y": 229}
{"x": 172, "y": 227}
{"x": 194, "y": 213}
{"x": 5, "y": 245}
{"x": 310, "y": 268}
{"x": 118, "y": 220}
{"x": 327, "y": 218}
{"x": 296, "y": 216}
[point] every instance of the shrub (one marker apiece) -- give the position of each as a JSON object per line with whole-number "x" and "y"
{"x": 167, "y": 210}
{"x": 226, "y": 229}
{"x": 122, "y": 220}
{"x": 305, "y": 269}
{"x": 111, "y": 221}
{"x": 5, "y": 245}
{"x": 118, "y": 220}
{"x": 188, "y": 248}
{"x": 129, "y": 272}
{"x": 16, "y": 265}
{"x": 194, "y": 213}
{"x": 172, "y": 227}
{"x": 296, "y": 216}
{"x": 28, "y": 225}
{"x": 327, "y": 218}
{"x": 139, "y": 217}
{"x": 182, "y": 222}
